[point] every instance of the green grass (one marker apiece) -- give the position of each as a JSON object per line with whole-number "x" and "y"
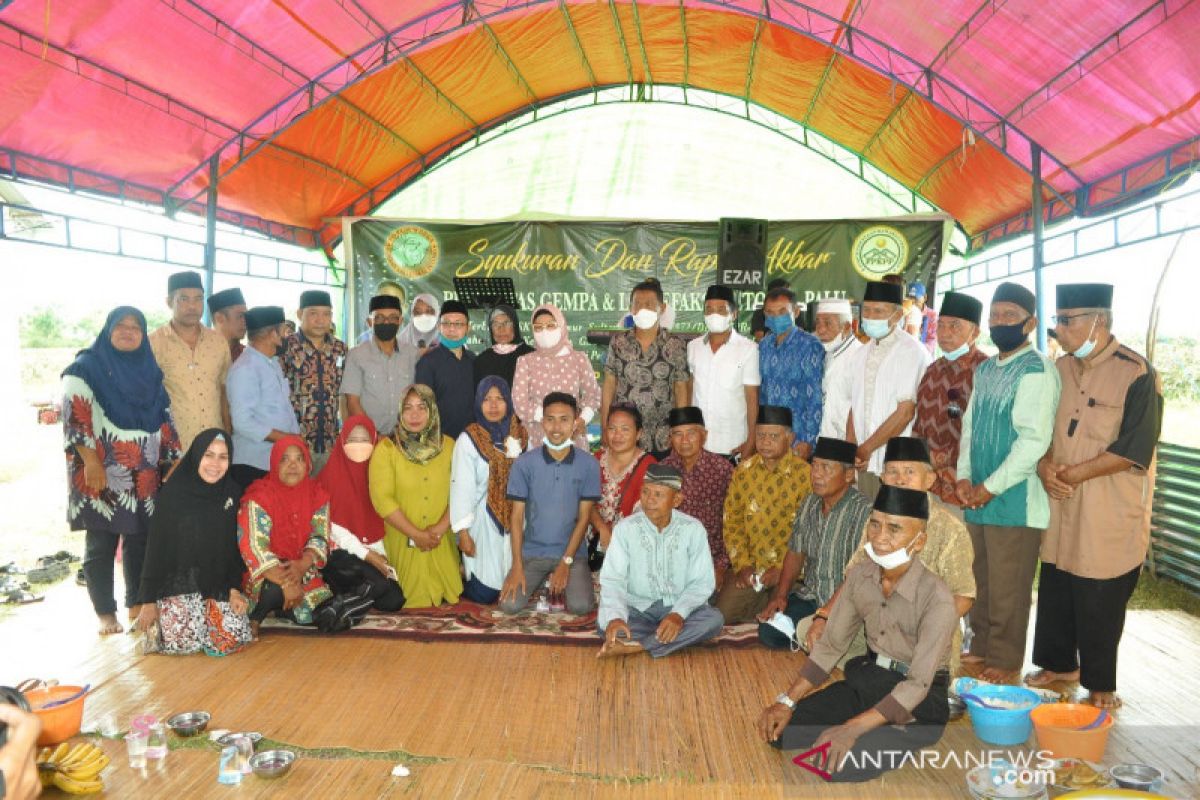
{"x": 1156, "y": 594}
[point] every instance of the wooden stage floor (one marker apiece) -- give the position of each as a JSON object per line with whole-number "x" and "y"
{"x": 511, "y": 720}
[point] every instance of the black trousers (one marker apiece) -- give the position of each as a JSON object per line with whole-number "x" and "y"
{"x": 879, "y": 750}
{"x": 1079, "y": 624}
{"x": 270, "y": 598}
{"x": 346, "y": 573}
{"x": 244, "y": 474}
{"x": 99, "y": 553}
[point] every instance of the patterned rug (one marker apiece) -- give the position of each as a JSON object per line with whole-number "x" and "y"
{"x": 470, "y": 622}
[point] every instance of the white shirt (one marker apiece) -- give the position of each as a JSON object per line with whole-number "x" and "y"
{"x": 347, "y": 541}
{"x": 838, "y": 385}
{"x": 718, "y": 388}
{"x": 885, "y": 373}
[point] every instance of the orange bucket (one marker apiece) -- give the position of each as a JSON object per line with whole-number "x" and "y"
{"x": 1057, "y": 726}
{"x": 61, "y": 722}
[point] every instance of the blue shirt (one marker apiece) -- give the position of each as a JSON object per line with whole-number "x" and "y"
{"x": 792, "y": 372}
{"x": 259, "y": 402}
{"x": 644, "y": 565}
{"x": 552, "y": 491}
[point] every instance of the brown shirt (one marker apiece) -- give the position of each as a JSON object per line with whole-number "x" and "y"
{"x": 913, "y": 625}
{"x": 1111, "y": 403}
{"x": 194, "y": 379}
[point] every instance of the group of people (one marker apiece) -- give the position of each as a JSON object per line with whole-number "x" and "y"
{"x": 850, "y": 494}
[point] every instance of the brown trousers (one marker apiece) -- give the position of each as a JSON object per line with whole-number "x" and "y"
{"x": 740, "y": 605}
{"x": 1006, "y": 559}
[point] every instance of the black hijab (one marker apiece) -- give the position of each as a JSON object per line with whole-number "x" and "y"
{"x": 193, "y": 533}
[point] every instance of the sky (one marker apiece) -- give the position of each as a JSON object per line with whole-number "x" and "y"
{"x": 619, "y": 161}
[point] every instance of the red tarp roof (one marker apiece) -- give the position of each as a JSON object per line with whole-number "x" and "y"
{"x": 318, "y": 108}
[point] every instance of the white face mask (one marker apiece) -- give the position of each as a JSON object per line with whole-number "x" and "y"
{"x": 834, "y": 343}
{"x": 645, "y": 319}
{"x": 717, "y": 323}
{"x": 557, "y": 448}
{"x": 358, "y": 452}
{"x": 896, "y": 558}
{"x": 548, "y": 338}
{"x": 425, "y": 322}
{"x": 784, "y": 624}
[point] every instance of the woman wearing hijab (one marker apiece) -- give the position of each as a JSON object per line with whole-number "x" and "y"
{"x": 192, "y": 575}
{"x": 283, "y": 534}
{"x": 507, "y": 346}
{"x": 120, "y": 441}
{"x": 479, "y": 506}
{"x": 555, "y": 366}
{"x": 421, "y": 329}
{"x": 410, "y": 489}
{"x": 623, "y": 468}
{"x": 357, "y": 561}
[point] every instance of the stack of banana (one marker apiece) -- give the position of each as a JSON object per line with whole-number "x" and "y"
{"x": 73, "y": 768}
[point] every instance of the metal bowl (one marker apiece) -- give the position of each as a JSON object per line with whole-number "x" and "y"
{"x": 958, "y": 707}
{"x": 272, "y": 763}
{"x": 189, "y": 723}
{"x": 1142, "y": 777}
{"x": 229, "y": 738}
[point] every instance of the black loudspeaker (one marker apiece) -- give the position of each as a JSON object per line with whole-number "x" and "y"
{"x": 742, "y": 253}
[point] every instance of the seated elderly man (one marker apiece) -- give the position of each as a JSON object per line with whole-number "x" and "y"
{"x": 763, "y": 497}
{"x": 828, "y": 527}
{"x": 893, "y": 700}
{"x": 948, "y": 552}
{"x": 657, "y": 576}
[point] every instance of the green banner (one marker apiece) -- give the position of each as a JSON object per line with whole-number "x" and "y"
{"x": 588, "y": 268}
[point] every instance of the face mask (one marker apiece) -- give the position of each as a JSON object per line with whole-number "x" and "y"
{"x": 358, "y": 452}
{"x": 958, "y": 352}
{"x": 833, "y": 343}
{"x": 1009, "y": 337}
{"x": 876, "y": 328}
{"x": 1088, "y": 346}
{"x": 645, "y": 319}
{"x": 547, "y": 339}
{"x": 896, "y": 558}
{"x": 386, "y": 331}
{"x": 717, "y": 323}
{"x": 780, "y": 324}
{"x": 451, "y": 343}
{"x": 424, "y": 322}
{"x": 557, "y": 448}
{"x": 784, "y": 624}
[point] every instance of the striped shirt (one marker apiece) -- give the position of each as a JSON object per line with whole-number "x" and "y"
{"x": 827, "y": 541}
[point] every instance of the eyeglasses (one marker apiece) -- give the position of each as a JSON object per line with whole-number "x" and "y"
{"x": 548, "y": 326}
{"x": 502, "y": 324}
{"x": 454, "y": 326}
{"x": 1064, "y": 320}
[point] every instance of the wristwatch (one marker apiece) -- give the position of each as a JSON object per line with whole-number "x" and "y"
{"x": 568, "y": 560}
{"x": 784, "y": 700}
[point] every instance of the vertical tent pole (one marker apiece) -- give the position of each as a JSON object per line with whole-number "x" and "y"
{"x": 210, "y": 232}
{"x": 1039, "y": 261}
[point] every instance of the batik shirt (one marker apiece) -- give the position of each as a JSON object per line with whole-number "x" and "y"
{"x": 792, "y": 374}
{"x": 134, "y": 463}
{"x": 254, "y": 541}
{"x": 942, "y": 399}
{"x": 704, "y": 491}
{"x": 759, "y": 510}
{"x": 647, "y": 379}
{"x": 314, "y": 376}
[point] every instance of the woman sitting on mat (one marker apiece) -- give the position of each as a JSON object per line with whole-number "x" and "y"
{"x": 479, "y": 507}
{"x": 410, "y": 489}
{"x": 357, "y": 562}
{"x": 193, "y": 571}
{"x": 623, "y": 467}
{"x": 283, "y": 533}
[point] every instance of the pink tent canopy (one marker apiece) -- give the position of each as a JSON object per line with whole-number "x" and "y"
{"x": 317, "y": 108}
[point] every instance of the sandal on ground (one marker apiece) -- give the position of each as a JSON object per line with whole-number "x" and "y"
{"x": 80, "y": 578}
{"x": 11, "y": 568}
{"x": 1040, "y": 678}
{"x": 20, "y": 597}
{"x": 49, "y": 573}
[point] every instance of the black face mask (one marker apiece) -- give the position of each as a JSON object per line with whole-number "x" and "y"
{"x": 386, "y": 331}
{"x": 1009, "y": 337}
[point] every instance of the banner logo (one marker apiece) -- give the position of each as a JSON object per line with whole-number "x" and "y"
{"x": 879, "y": 250}
{"x": 820, "y": 760}
{"x": 411, "y": 252}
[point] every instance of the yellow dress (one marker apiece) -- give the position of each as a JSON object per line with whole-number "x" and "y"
{"x": 422, "y": 493}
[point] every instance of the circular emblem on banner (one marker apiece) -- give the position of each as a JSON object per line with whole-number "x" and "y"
{"x": 411, "y": 252}
{"x": 879, "y": 250}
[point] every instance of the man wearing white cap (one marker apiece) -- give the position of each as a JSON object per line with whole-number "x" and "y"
{"x": 835, "y": 330}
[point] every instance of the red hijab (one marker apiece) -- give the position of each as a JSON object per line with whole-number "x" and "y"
{"x": 349, "y": 488}
{"x": 290, "y": 508}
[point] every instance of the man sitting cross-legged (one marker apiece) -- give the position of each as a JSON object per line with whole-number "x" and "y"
{"x": 657, "y": 576}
